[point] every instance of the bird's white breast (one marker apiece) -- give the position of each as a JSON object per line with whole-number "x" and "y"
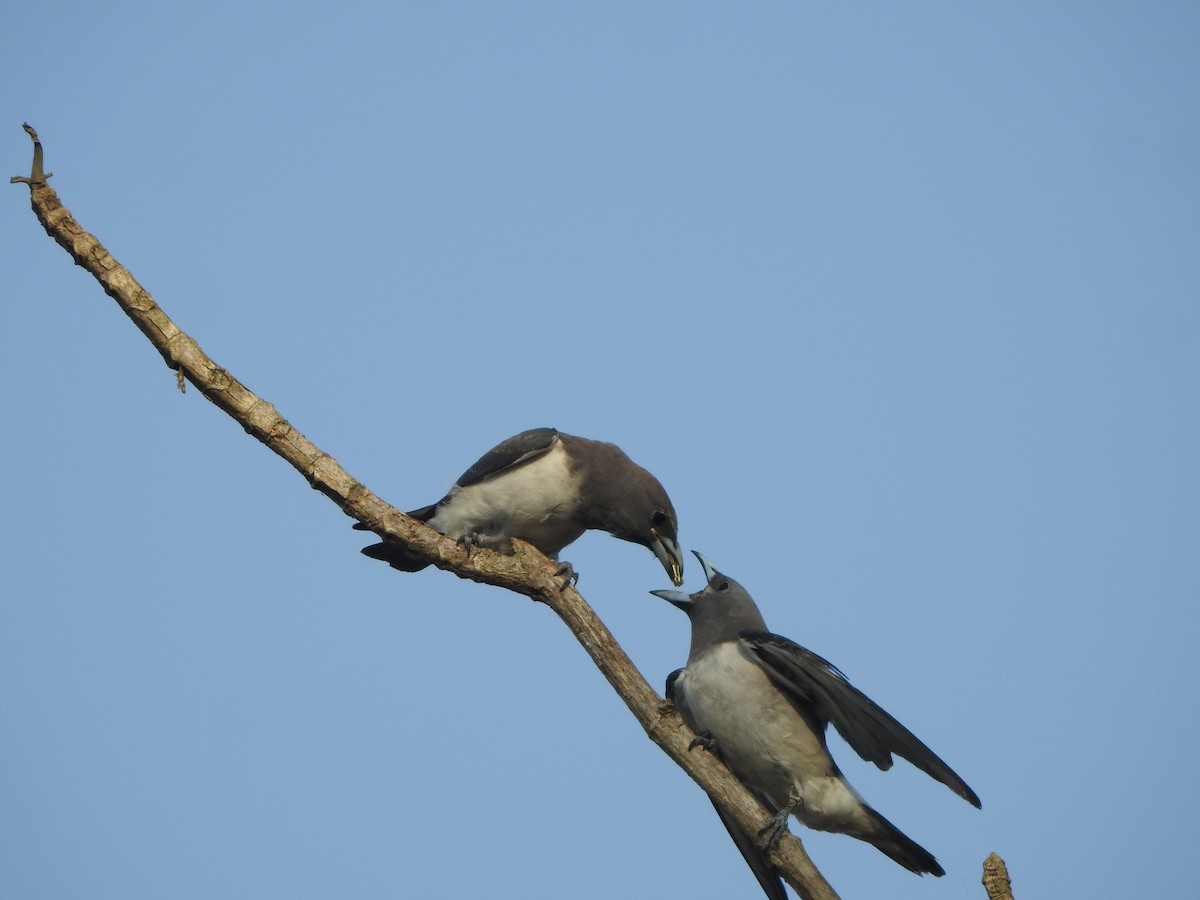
{"x": 761, "y": 736}
{"x": 534, "y": 501}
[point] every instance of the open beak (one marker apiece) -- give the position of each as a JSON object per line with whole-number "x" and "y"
{"x": 669, "y": 555}
{"x": 709, "y": 569}
{"x": 676, "y": 598}
{"x": 679, "y": 598}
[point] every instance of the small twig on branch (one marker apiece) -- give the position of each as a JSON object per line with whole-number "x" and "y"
{"x": 526, "y": 572}
{"x": 995, "y": 878}
{"x": 36, "y": 175}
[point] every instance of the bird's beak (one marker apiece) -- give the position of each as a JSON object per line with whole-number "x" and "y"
{"x": 709, "y": 570}
{"x": 669, "y": 555}
{"x": 676, "y": 598}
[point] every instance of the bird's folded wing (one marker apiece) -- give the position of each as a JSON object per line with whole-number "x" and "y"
{"x": 868, "y": 728}
{"x": 513, "y": 451}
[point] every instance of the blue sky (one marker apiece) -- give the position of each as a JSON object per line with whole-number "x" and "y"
{"x": 898, "y": 302}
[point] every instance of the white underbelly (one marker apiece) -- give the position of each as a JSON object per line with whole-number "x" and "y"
{"x": 762, "y": 737}
{"x": 533, "y": 502}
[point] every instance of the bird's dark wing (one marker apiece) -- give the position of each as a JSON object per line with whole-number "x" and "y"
{"x": 771, "y": 883}
{"x": 671, "y": 679}
{"x": 870, "y": 730}
{"x": 517, "y": 449}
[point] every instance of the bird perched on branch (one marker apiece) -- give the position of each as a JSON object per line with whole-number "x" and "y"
{"x": 548, "y": 488}
{"x": 763, "y": 703}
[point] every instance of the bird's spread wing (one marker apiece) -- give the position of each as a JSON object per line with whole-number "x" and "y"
{"x": 517, "y": 449}
{"x": 870, "y": 730}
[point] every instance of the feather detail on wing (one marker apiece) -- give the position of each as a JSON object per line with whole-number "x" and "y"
{"x": 510, "y": 452}
{"x": 870, "y": 730}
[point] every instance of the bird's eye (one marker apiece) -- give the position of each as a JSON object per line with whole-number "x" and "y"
{"x": 723, "y": 586}
{"x": 659, "y": 518}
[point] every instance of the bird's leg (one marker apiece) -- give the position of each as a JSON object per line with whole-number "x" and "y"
{"x": 567, "y": 572}
{"x": 778, "y": 823}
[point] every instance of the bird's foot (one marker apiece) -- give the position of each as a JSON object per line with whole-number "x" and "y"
{"x": 774, "y": 829}
{"x": 567, "y": 573}
{"x": 470, "y": 541}
{"x": 778, "y": 823}
{"x": 706, "y": 740}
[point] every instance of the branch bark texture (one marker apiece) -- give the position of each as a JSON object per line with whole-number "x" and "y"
{"x": 995, "y": 878}
{"x": 526, "y": 572}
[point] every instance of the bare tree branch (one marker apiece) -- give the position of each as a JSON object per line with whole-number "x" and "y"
{"x": 995, "y": 878}
{"x": 526, "y": 572}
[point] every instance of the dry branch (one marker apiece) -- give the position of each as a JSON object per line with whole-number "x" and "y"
{"x": 995, "y": 878}
{"x": 526, "y": 572}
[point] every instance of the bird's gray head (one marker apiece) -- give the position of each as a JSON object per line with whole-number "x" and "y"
{"x": 718, "y": 612}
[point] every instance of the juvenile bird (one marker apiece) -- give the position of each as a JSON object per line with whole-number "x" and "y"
{"x": 548, "y": 488}
{"x": 763, "y": 703}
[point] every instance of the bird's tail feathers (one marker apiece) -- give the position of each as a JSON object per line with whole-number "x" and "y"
{"x": 421, "y": 515}
{"x": 396, "y": 556}
{"x": 894, "y": 843}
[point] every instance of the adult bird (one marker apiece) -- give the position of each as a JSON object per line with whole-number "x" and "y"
{"x": 764, "y": 703}
{"x": 548, "y": 488}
